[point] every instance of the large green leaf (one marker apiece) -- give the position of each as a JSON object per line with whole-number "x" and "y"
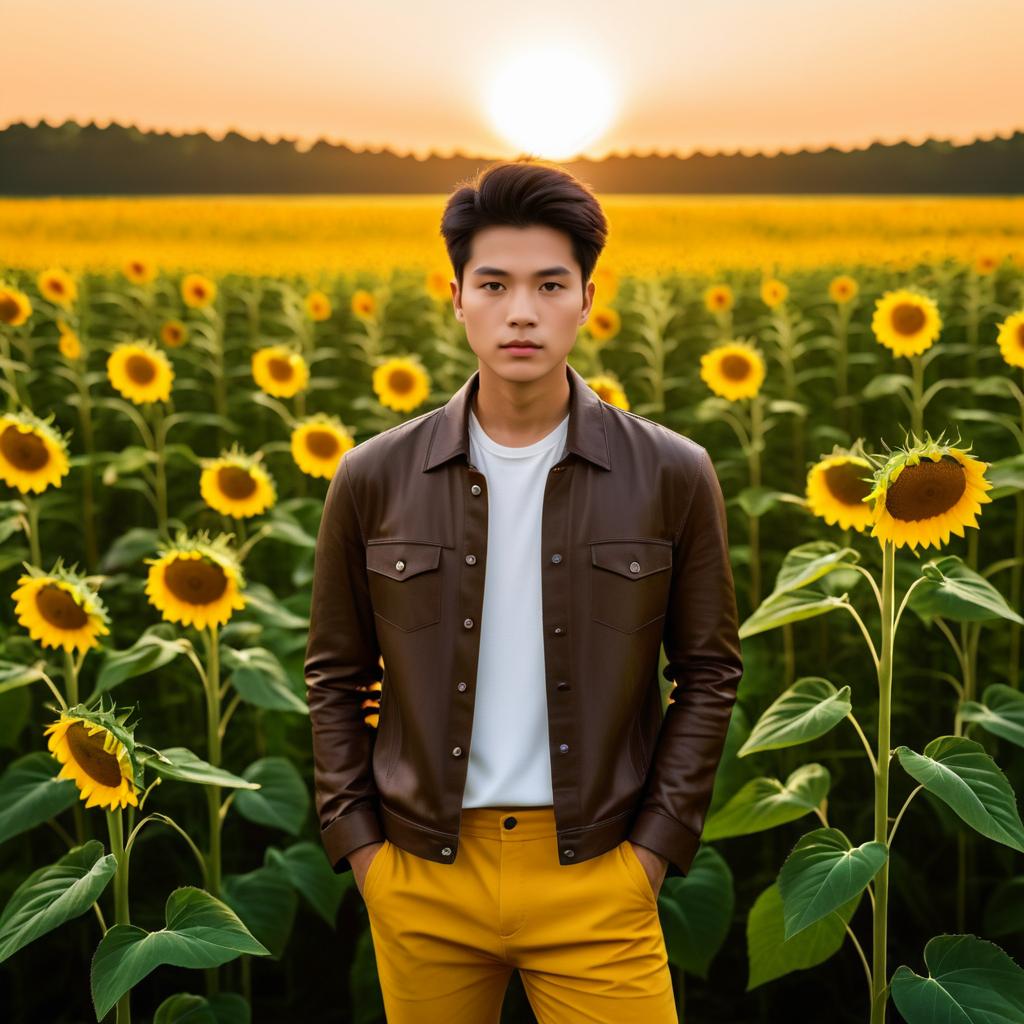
{"x": 30, "y": 793}
{"x": 260, "y": 679}
{"x": 181, "y": 764}
{"x": 262, "y": 604}
{"x": 970, "y": 981}
{"x": 823, "y": 872}
{"x": 282, "y": 801}
{"x": 200, "y": 931}
{"x": 184, "y": 1008}
{"x": 809, "y": 562}
{"x": 772, "y": 955}
{"x": 960, "y": 772}
{"x": 153, "y": 649}
{"x": 952, "y": 590}
{"x": 14, "y": 675}
{"x": 1001, "y": 712}
{"x": 764, "y": 803}
{"x": 807, "y": 710}
{"x": 779, "y": 610}
{"x": 308, "y": 871}
{"x": 266, "y": 903}
{"x": 54, "y": 894}
{"x": 1006, "y": 476}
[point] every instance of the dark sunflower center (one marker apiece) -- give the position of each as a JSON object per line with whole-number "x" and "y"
{"x": 60, "y": 609}
{"x": 322, "y": 443}
{"x": 173, "y": 332}
{"x": 91, "y": 758}
{"x": 907, "y": 318}
{"x": 138, "y": 268}
{"x": 603, "y": 321}
{"x": 400, "y": 381}
{"x": 926, "y": 490}
{"x": 23, "y": 451}
{"x": 280, "y": 368}
{"x": 199, "y": 291}
{"x": 235, "y": 482}
{"x": 1020, "y": 335}
{"x": 56, "y": 285}
{"x": 140, "y": 368}
{"x": 195, "y": 581}
{"x": 735, "y": 367}
{"x": 844, "y": 483}
{"x": 8, "y": 307}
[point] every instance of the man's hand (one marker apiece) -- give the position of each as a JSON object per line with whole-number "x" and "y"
{"x": 360, "y": 859}
{"x": 654, "y": 864}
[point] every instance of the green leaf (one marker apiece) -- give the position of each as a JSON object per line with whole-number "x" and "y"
{"x": 772, "y": 955}
{"x": 201, "y": 931}
{"x": 954, "y": 591}
{"x": 807, "y": 710}
{"x": 14, "y": 675}
{"x": 1001, "y": 712}
{"x": 809, "y": 562}
{"x": 289, "y": 530}
{"x": 308, "y": 871}
{"x": 223, "y": 1008}
{"x": 1006, "y": 476}
{"x": 263, "y": 605}
{"x": 129, "y": 549}
{"x": 764, "y": 803}
{"x": 756, "y": 501}
{"x": 282, "y": 801}
{"x": 266, "y": 903}
{"x": 822, "y": 873}
{"x": 153, "y": 649}
{"x": 884, "y": 384}
{"x": 181, "y": 764}
{"x": 52, "y": 895}
{"x": 970, "y": 981}
{"x": 961, "y": 773}
{"x": 30, "y": 793}
{"x": 776, "y": 611}
{"x": 260, "y": 679}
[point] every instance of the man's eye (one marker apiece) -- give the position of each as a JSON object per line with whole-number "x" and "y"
{"x": 555, "y": 283}
{"x": 488, "y": 283}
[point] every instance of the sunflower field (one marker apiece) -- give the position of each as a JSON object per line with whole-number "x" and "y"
{"x": 168, "y": 433}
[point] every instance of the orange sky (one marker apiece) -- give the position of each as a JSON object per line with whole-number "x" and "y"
{"x": 723, "y": 75}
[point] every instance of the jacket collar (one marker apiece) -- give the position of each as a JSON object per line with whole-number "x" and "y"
{"x": 586, "y": 434}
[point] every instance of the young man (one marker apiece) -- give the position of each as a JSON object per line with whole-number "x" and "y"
{"x": 517, "y": 557}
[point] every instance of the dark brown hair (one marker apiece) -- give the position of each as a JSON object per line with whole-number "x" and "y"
{"x": 521, "y": 193}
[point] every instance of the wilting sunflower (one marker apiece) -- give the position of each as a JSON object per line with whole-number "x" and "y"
{"x": 906, "y": 321}
{"x": 140, "y": 372}
{"x": 196, "y": 581}
{"x": 606, "y": 282}
{"x": 926, "y": 489}
{"x": 718, "y": 298}
{"x": 96, "y": 749}
{"x": 318, "y": 306}
{"x": 985, "y": 264}
{"x": 401, "y": 383}
{"x": 836, "y": 488}
{"x": 173, "y": 333}
{"x": 138, "y": 271}
{"x": 279, "y": 371}
{"x": 197, "y": 291}
{"x": 33, "y": 453}
{"x": 58, "y": 286}
{"x": 843, "y": 289}
{"x": 236, "y": 484}
{"x": 609, "y": 388}
{"x": 733, "y": 370}
{"x": 70, "y": 345}
{"x": 318, "y": 443}
{"x": 363, "y": 304}
{"x": 59, "y": 608}
{"x": 603, "y": 323}
{"x": 774, "y": 292}
{"x": 436, "y": 284}
{"x": 15, "y": 307}
{"x": 1011, "y": 339}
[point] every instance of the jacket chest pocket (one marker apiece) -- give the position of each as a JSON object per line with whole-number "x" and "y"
{"x": 629, "y": 582}
{"x": 405, "y": 582}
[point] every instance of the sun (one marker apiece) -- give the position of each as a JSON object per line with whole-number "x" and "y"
{"x": 551, "y": 103}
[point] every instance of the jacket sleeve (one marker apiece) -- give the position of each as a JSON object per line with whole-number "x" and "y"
{"x": 702, "y": 645}
{"x": 342, "y": 660}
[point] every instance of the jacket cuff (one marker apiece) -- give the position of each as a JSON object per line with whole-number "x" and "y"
{"x": 349, "y": 832}
{"x": 667, "y": 838}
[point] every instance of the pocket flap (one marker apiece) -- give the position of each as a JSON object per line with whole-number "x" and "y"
{"x": 633, "y": 559}
{"x": 402, "y": 559}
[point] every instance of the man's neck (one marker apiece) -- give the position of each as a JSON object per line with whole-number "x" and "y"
{"x": 519, "y": 414}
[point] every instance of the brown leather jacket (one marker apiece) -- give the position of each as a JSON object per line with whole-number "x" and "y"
{"x": 635, "y": 552}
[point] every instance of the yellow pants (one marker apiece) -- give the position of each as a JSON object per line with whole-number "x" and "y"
{"x": 586, "y": 938}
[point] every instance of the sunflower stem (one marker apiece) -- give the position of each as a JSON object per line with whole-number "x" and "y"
{"x": 33, "y": 530}
{"x": 115, "y": 827}
{"x": 754, "y": 463}
{"x": 71, "y": 684}
{"x": 917, "y": 406}
{"x": 213, "y": 753}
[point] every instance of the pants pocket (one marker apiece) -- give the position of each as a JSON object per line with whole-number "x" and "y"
{"x": 636, "y": 871}
{"x": 373, "y": 870}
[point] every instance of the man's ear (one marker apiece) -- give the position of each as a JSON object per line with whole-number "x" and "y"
{"x": 588, "y": 301}
{"x": 456, "y": 299}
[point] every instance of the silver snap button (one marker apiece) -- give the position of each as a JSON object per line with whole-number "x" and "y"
{"x": 399, "y": 566}
{"x": 462, "y": 687}
{"x": 457, "y": 751}
{"x": 556, "y": 559}
{"x": 558, "y": 630}
{"x": 563, "y": 747}
{"x": 568, "y": 853}
{"x": 475, "y": 489}
{"x": 468, "y": 623}
{"x": 470, "y": 559}
{"x": 634, "y": 566}
{"x": 446, "y": 852}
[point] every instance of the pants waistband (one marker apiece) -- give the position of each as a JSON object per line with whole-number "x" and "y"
{"x": 508, "y": 823}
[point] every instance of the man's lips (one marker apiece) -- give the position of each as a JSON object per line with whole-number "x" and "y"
{"x": 520, "y": 344}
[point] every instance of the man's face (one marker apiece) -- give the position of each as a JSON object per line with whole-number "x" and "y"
{"x": 522, "y": 284}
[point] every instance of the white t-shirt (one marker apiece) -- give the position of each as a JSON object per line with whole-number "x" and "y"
{"x": 509, "y": 756}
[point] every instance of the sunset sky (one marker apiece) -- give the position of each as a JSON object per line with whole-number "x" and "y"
{"x": 495, "y": 79}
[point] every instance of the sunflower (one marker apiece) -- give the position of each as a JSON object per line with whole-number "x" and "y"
{"x": 318, "y": 305}
{"x": 33, "y": 453}
{"x": 173, "y": 333}
{"x": 370, "y": 705}
{"x": 318, "y": 443}
{"x": 140, "y": 372}
{"x": 59, "y": 608}
{"x": 363, "y": 304}
{"x": 606, "y": 282}
{"x": 1011, "y": 339}
{"x": 774, "y": 292}
{"x": 138, "y": 271}
{"x": 236, "y": 484}
{"x": 842, "y": 289}
{"x": 196, "y": 581}
{"x": 197, "y": 291}
{"x": 70, "y": 345}
{"x": 604, "y": 323}
{"x": 97, "y": 752}
{"x": 718, "y": 298}
{"x": 733, "y": 370}
{"x": 58, "y": 286}
{"x": 401, "y": 383}
{"x": 906, "y": 321}
{"x": 437, "y": 286}
{"x": 836, "y": 488}
{"x": 926, "y": 489}
{"x": 985, "y": 264}
{"x": 279, "y": 371}
{"x": 15, "y": 307}
{"x": 609, "y": 389}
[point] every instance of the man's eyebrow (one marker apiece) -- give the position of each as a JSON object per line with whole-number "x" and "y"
{"x": 558, "y": 271}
